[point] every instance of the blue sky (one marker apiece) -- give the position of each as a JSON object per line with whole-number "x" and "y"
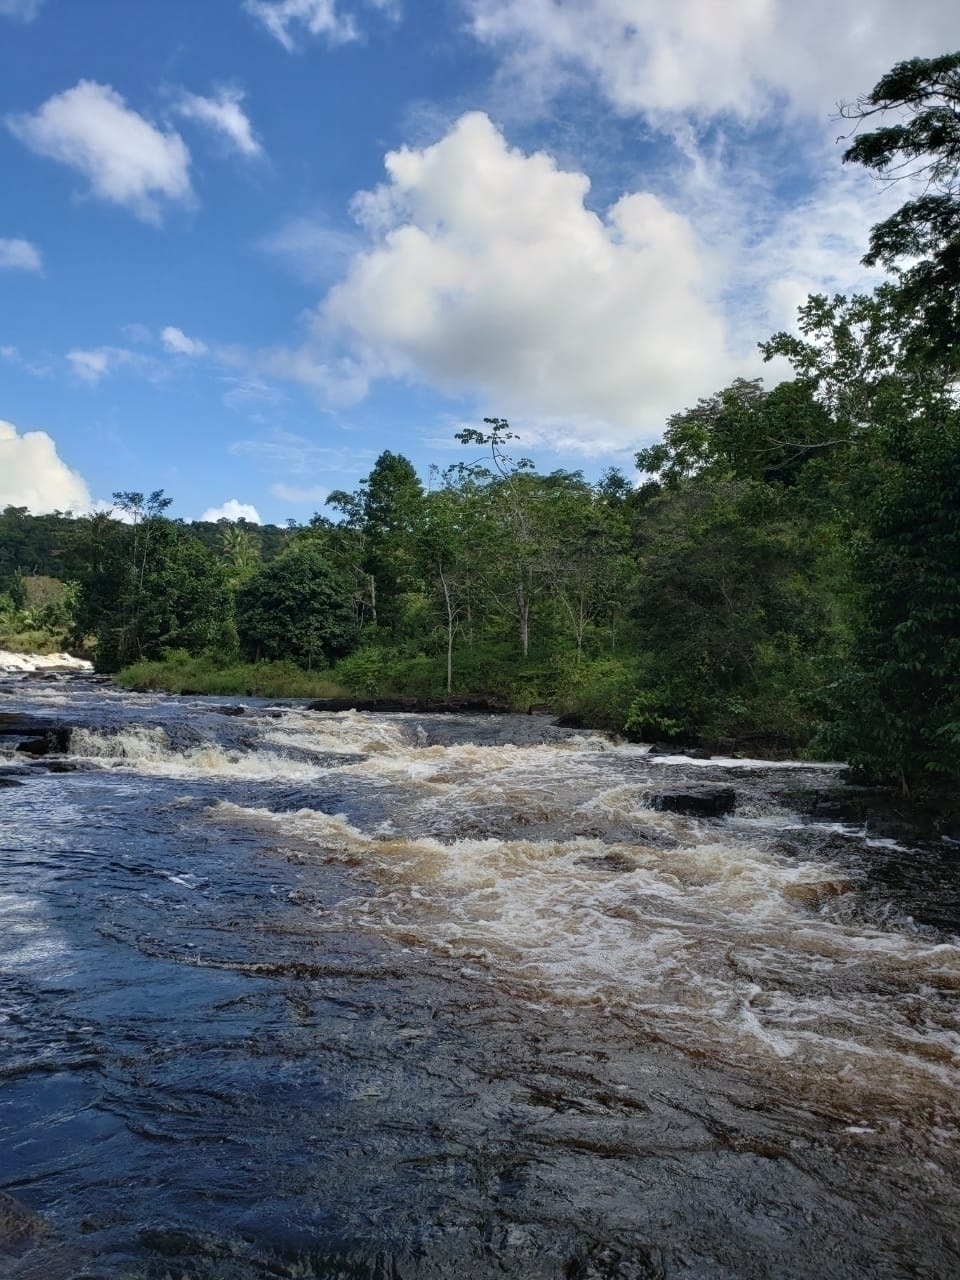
{"x": 247, "y": 246}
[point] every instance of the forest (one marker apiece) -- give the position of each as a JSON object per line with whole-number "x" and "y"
{"x": 782, "y": 573}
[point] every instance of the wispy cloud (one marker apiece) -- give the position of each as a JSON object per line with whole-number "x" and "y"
{"x": 19, "y": 255}
{"x": 311, "y": 248}
{"x": 126, "y": 159}
{"x": 22, "y": 10}
{"x": 291, "y": 493}
{"x": 315, "y": 17}
{"x": 36, "y": 368}
{"x": 222, "y": 113}
{"x": 93, "y": 364}
{"x": 301, "y": 456}
{"x": 177, "y": 343}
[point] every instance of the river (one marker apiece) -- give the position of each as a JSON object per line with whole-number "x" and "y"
{"x": 291, "y": 993}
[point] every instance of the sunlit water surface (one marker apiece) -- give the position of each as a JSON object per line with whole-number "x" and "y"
{"x": 302, "y": 994}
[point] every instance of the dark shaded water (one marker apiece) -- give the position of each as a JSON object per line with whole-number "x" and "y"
{"x": 307, "y": 995}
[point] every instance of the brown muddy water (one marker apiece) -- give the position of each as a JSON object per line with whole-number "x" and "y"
{"x": 299, "y": 994}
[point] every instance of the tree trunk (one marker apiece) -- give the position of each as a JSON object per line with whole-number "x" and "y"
{"x": 450, "y": 620}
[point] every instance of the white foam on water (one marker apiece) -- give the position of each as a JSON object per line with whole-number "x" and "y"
{"x": 149, "y": 751}
{"x": 737, "y": 762}
{"x": 722, "y": 947}
{"x": 353, "y": 732}
{"x": 17, "y": 663}
{"x": 701, "y": 933}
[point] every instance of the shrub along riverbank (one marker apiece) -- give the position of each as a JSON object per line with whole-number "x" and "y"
{"x": 593, "y": 694}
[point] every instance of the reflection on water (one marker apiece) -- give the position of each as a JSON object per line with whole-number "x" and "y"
{"x": 299, "y": 994}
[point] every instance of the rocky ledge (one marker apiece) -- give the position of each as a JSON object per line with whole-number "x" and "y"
{"x": 425, "y": 706}
{"x": 32, "y": 663}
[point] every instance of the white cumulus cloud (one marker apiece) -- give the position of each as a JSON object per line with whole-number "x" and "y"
{"x": 233, "y": 510}
{"x": 19, "y": 255}
{"x": 125, "y": 158}
{"x": 315, "y": 17}
{"x": 33, "y": 475}
{"x": 709, "y": 56}
{"x": 488, "y": 274}
{"x": 177, "y": 342}
{"x": 224, "y": 114}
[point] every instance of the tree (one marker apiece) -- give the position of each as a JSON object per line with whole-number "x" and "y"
{"x": 516, "y": 574}
{"x": 442, "y": 548}
{"x": 741, "y": 433}
{"x": 17, "y": 591}
{"x": 239, "y": 549}
{"x": 385, "y": 512}
{"x": 894, "y": 710}
{"x": 297, "y": 607}
{"x": 145, "y": 587}
{"x": 920, "y": 243}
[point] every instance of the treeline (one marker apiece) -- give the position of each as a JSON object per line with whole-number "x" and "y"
{"x": 34, "y": 546}
{"x": 784, "y": 570}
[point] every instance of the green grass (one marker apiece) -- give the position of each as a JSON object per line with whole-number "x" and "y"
{"x": 182, "y": 674}
{"x": 15, "y": 640}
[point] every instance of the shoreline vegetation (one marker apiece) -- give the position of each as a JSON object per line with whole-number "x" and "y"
{"x": 886, "y": 816}
{"x": 375, "y": 679}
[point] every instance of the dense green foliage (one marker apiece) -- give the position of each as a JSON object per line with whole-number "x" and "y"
{"x": 786, "y": 571}
{"x": 920, "y": 243}
{"x": 296, "y": 607}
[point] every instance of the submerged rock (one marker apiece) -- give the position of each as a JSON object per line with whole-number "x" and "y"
{"x": 704, "y": 801}
{"x": 36, "y": 736}
{"x": 20, "y": 1227}
{"x": 54, "y": 740}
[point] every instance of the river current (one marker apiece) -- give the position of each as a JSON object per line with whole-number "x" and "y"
{"x": 293, "y": 993}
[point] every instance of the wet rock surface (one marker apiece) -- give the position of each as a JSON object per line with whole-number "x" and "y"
{"x": 708, "y": 801}
{"x": 431, "y": 706}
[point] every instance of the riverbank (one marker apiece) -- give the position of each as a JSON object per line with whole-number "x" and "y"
{"x": 28, "y": 663}
{"x": 887, "y": 815}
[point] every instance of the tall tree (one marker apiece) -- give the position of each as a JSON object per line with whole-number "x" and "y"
{"x": 920, "y": 243}
{"x": 516, "y": 571}
{"x": 297, "y": 607}
{"x": 385, "y": 511}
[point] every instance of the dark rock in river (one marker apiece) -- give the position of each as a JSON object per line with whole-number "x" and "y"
{"x": 20, "y": 1227}
{"x": 705, "y": 801}
{"x": 55, "y": 739}
{"x": 55, "y": 766}
{"x": 29, "y": 1251}
{"x": 425, "y": 705}
{"x": 572, "y": 720}
{"x": 37, "y": 737}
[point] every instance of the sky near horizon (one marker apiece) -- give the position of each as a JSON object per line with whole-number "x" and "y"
{"x": 247, "y": 245}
